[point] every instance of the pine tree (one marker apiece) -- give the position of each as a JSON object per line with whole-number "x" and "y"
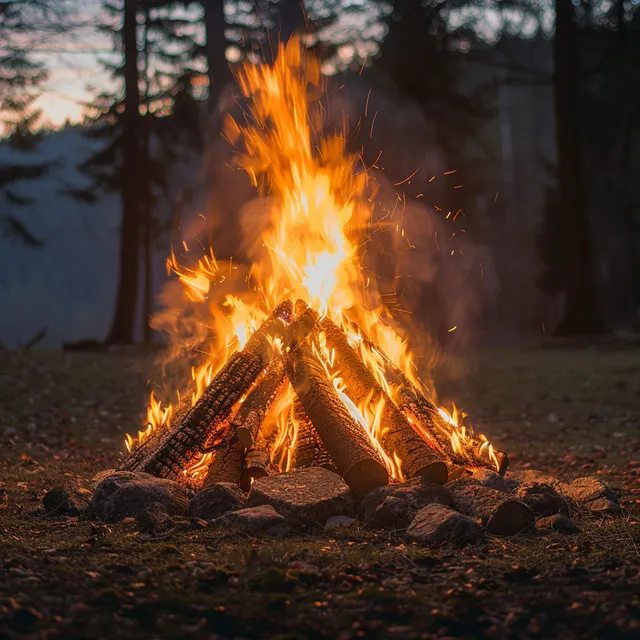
{"x": 143, "y": 126}
{"x": 20, "y": 80}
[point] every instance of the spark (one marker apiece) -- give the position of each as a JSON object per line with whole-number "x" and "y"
{"x": 397, "y": 184}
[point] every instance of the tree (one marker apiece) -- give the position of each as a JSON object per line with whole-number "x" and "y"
{"x": 567, "y": 230}
{"x": 143, "y": 125}
{"x": 20, "y": 80}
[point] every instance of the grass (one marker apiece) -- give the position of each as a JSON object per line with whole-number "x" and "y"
{"x": 570, "y": 411}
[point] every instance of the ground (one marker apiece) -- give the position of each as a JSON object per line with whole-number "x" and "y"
{"x": 566, "y": 410}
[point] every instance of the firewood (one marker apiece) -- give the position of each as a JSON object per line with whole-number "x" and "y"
{"x": 250, "y": 415}
{"x": 502, "y": 514}
{"x": 256, "y": 464}
{"x": 310, "y": 451}
{"x": 206, "y": 418}
{"x": 345, "y": 440}
{"x": 413, "y": 403}
{"x": 397, "y": 435}
{"x": 226, "y": 465}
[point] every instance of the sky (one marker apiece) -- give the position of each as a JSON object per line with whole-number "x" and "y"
{"x": 73, "y": 60}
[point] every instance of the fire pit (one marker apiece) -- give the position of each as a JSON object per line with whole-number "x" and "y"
{"x": 309, "y": 398}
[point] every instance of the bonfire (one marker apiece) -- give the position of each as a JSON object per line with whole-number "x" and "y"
{"x": 307, "y": 369}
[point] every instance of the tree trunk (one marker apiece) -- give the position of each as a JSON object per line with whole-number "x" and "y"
{"x": 581, "y": 311}
{"x": 215, "y": 49}
{"x": 122, "y": 328}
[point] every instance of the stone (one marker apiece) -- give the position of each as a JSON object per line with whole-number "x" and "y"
{"x": 533, "y": 475}
{"x": 217, "y": 500}
{"x": 416, "y": 493}
{"x": 254, "y": 521}
{"x": 99, "y": 477}
{"x": 391, "y": 513}
{"x": 305, "y": 497}
{"x": 543, "y": 499}
{"x": 557, "y": 522}
{"x": 57, "y": 501}
{"x": 154, "y": 519}
{"x": 499, "y": 512}
{"x": 603, "y": 507}
{"x": 339, "y": 522}
{"x": 437, "y": 524}
{"x": 493, "y": 480}
{"x": 126, "y": 494}
{"x": 589, "y": 488}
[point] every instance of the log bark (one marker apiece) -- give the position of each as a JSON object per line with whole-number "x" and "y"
{"x": 414, "y": 404}
{"x": 250, "y": 416}
{"x": 227, "y": 463}
{"x": 183, "y": 441}
{"x": 256, "y": 464}
{"x": 500, "y": 513}
{"x": 310, "y": 451}
{"x": 397, "y": 434}
{"x": 344, "y": 439}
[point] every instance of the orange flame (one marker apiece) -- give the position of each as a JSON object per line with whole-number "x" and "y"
{"x": 319, "y": 215}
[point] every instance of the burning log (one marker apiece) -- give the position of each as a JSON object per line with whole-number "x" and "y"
{"x": 226, "y": 465}
{"x": 502, "y": 514}
{"x": 310, "y": 451}
{"x": 250, "y": 416}
{"x": 397, "y": 436}
{"x": 256, "y": 464}
{"x": 178, "y": 447}
{"x": 344, "y": 439}
{"x": 413, "y": 403}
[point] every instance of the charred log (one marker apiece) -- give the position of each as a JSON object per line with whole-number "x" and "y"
{"x": 310, "y": 451}
{"x": 204, "y": 421}
{"x": 256, "y": 464}
{"x": 398, "y": 436}
{"x": 250, "y": 416}
{"x": 226, "y": 465}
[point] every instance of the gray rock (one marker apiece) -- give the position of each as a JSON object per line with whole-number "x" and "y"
{"x": 391, "y": 513}
{"x": 543, "y": 499}
{"x": 305, "y": 497}
{"x": 437, "y": 524}
{"x": 127, "y": 494}
{"x": 58, "y": 502}
{"x": 589, "y": 488}
{"x": 154, "y": 520}
{"x": 533, "y": 475}
{"x": 416, "y": 493}
{"x": 493, "y": 480}
{"x": 557, "y": 522}
{"x": 255, "y": 521}
{"x": 217, "y": 500}
{"x": 603, "y": 507}
{"x": 339, "y": 522}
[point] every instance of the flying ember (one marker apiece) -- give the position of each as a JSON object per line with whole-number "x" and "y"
{"x": 302, "y": 367}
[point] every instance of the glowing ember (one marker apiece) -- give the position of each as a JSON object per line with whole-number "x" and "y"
{"x": 319, "y": 215}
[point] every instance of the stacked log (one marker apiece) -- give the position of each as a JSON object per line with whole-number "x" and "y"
{"x": 251, "y": 414}
{"x": 344, "y": 439}
{"x": 413, "y": 403}
{"x": 397, "y": 436}
{"x": 208, "y": 416}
